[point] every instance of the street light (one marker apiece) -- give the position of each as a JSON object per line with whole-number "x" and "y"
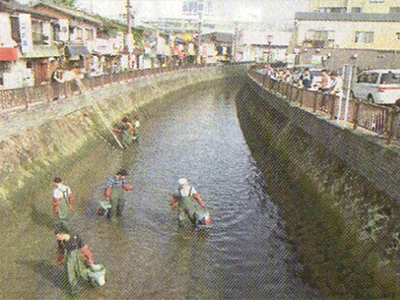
{"x": 269, "y": 40}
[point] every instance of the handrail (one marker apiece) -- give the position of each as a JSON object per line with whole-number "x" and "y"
{"x": 380, "y": 119}
{"x": 22, "y": 98}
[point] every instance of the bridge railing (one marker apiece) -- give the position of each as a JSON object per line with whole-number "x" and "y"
{"x": 24, "y": 97}
{"x": 383, "y": 120}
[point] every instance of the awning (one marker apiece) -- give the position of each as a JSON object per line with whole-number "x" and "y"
{"x": 76, "y": 51}
{"x": 42, "y": 51}
{"x": 8, "y": 53}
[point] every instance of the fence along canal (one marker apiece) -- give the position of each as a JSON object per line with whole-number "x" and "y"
{"x": 381, "y": 120}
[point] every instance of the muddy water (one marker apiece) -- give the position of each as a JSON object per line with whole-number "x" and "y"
{"x": 244, "y": 254}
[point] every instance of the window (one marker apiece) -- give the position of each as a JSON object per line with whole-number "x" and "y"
{"x": 394, "y": 10}
{"x": 333, "y": 9}
{"x": 390, "y": 78}
{"x": 356, "y": 9}
{"x": 37, "y": 32}
{"x": 364, "y": 37}
{"x": 15, "y": 34}
{"x": 79, "y": 33}
{"x": 89, "y": 34}
{"x": 368, "y": 78}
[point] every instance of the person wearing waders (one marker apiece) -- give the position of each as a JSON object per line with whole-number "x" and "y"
{"x": 114, "y": 193}
{"x": 126, "y": 131}
{"x": 73, "y": 256}
{"x": 62, "y": 202}
{"x": 190, "y": 204}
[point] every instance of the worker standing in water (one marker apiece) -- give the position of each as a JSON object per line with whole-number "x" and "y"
{"x": 126, "y": 131}
{"x": 63, "y": 199}
{"x": 190, "y": 204}
{"x": 114, "y": 193}
{"x": 74, "y": 256}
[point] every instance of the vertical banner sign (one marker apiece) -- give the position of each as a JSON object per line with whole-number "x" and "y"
{"x": 46, "y": 33}
{"x": 63, "y": 34}
{"x": 25, "y": 29}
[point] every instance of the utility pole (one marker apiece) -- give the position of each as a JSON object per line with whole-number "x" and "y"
{"x": 235, "y": 42}
{"x": 128, "y": 31}
{"x": 200, "y": 30}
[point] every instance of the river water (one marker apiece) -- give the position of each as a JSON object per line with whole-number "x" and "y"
{"x": 244, "y": 254}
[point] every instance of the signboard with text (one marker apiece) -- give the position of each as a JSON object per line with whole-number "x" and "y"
{"x": 193, "y": 7}
{"x": 25, "y": 29}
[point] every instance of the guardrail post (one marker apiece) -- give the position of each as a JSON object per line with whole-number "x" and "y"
{"x": 301, "y": 97}
{"x": 314, "y": 104}
{"x": 25, "y": 97}
{"x": 390, "y": 124}
{"x": 332, "y": 106}
{"x": 355, "y": 114}
{"x": 65, "y": 83}
{"x": 50, "y": 92}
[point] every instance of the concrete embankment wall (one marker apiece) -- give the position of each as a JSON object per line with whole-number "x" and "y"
{"x": 337, "y": 192}
{"x": 41, "y": 138}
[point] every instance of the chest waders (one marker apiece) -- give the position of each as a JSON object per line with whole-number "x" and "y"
{"x": 187, "y": 207}
{"x": 63, "y": 211}
{"x": 74, "y": 268}
{"x": 117, "y": 202}
{"x": 127, "y": 137}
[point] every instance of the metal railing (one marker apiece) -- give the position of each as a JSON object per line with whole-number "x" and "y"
{"x": 383, "y": 120}
{"x": 22, "y": 98}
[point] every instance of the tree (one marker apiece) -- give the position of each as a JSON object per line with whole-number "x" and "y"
{"x": 70, "y": 3}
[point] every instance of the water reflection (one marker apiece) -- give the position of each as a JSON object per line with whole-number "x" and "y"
{"x": 243, "y": 255}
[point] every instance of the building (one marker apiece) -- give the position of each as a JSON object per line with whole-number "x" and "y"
{"x": 331, "y": 37}
{"x": 222, "y": 43}
{"x": 355, "y": 6}
{"x": 74, "y": 29}
{"x": 28, "y": 51}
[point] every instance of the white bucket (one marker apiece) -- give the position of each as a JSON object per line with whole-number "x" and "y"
{"x": 97, "y": 274}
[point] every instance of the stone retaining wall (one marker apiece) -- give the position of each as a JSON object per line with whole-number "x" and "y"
{"x": 337, "y": 193}
{"x": 39, "y": 138}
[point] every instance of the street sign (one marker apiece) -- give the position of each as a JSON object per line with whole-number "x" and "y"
{"x": 193, "y": 7}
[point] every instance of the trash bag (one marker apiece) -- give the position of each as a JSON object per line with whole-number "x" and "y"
{"x": 97, "y": 274}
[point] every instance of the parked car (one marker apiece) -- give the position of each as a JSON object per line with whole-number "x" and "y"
{"x": 315, "y": 73}
{"x": 377, "y": 86}
{"x": 317, "y": 77}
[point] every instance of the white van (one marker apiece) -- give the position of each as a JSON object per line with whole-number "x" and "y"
{"x": 378, "y": 86}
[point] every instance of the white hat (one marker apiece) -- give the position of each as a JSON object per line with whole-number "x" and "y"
{"x": 182, "y": 181}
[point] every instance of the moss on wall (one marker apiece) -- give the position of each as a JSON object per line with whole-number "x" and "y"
{"x": 344, "y": 227}
{"x": 57, "y": 131}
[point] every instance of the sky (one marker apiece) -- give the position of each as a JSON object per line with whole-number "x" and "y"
{"x": 227, "y": 10}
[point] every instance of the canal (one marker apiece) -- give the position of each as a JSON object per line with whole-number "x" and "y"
{"x": 194, "y": 133}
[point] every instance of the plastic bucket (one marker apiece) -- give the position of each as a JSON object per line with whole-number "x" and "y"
{"x": 203, "y": 217}
{"x": 97, "y": 274}
{"x": 104, "y": 206}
